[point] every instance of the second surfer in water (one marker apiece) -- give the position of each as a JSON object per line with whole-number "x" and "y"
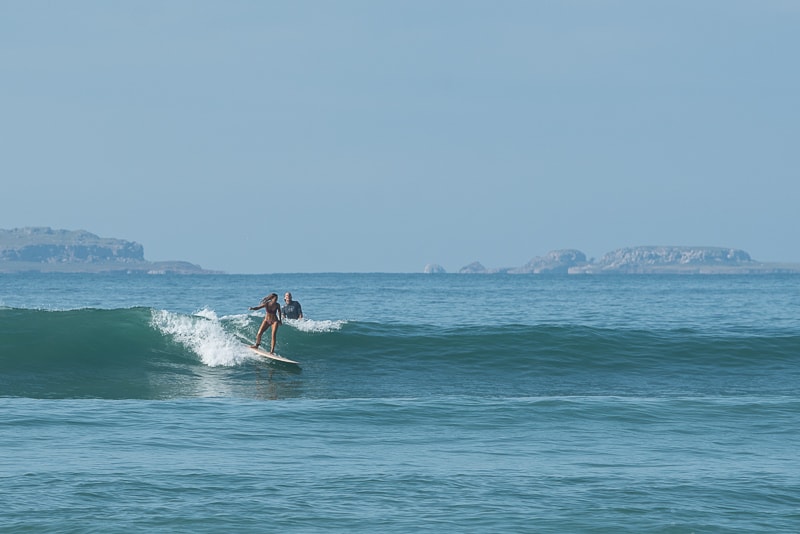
{"x": 271, "y": 319}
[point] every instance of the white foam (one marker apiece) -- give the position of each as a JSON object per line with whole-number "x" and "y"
{"x": 203, "y": 334}
{"x": 309, "y": 325}
{"x": 240, "y": 321}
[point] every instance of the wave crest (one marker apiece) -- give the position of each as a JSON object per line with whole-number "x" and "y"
{"x": 202, "y": 333}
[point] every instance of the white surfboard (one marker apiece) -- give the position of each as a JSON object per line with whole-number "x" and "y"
{"x": 261, "y": 352}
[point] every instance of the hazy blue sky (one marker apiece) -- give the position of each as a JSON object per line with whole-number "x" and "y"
{"x": 308, "y": 136}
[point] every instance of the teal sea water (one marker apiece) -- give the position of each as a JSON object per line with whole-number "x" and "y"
{"x": 422, "y": 403}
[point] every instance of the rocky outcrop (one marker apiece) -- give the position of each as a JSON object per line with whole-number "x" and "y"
{"x": 434, "y": 268}
{"x": 554, "y": 262}
{"x": 474, "y": 268}
{"x": 644, "y": 260}
{"x": 45, "y": 249}
{"x": 45, "y": 245}
{"x": 669, "y": 259}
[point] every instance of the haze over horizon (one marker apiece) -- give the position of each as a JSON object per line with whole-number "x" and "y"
{"x": 360, "y": 136}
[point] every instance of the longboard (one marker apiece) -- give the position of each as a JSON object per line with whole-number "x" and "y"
{"x": 271, "y": 356}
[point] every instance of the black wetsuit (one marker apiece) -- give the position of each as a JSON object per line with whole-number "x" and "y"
{"x": 293, "y": 310}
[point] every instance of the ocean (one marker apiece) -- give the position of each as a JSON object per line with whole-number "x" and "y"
{"x": 422, "y": 403}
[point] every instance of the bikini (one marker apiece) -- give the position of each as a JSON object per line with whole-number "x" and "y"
{"x": 271, "y": 317}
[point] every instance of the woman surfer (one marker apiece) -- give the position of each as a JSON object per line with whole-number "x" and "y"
{"x": 271, "y": 319}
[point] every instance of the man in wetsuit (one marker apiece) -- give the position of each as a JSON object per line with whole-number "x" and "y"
{"x": 292, "y": 310}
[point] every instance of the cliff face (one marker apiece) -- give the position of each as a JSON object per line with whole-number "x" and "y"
{"x": 653, "y": 260}
{"x": 72, "y": 253}
{"x": 45, "y": 249}
{"x": 626, "y": 259}
{"x": 645, "y": 260}
{"x": 556, "y": 261}
{"x": 44, "y": 245}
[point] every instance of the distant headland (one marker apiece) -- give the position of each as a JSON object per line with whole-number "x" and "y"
{"x": 42, "y": 249}
{"x": 639, "y": 260}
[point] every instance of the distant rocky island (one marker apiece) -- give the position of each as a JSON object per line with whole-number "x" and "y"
{"x": 638, "y": 260}
{"x": 42, "y": 249}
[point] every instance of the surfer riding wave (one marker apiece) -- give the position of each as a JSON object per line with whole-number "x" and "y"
{"x": 272, "y": 319}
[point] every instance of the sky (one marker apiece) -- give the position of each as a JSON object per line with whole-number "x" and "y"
{"x": 381, "y": 136}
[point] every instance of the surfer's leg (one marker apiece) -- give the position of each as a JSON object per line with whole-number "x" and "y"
{"x": 274, "y": 336}
{"x": 260, "y": 333}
